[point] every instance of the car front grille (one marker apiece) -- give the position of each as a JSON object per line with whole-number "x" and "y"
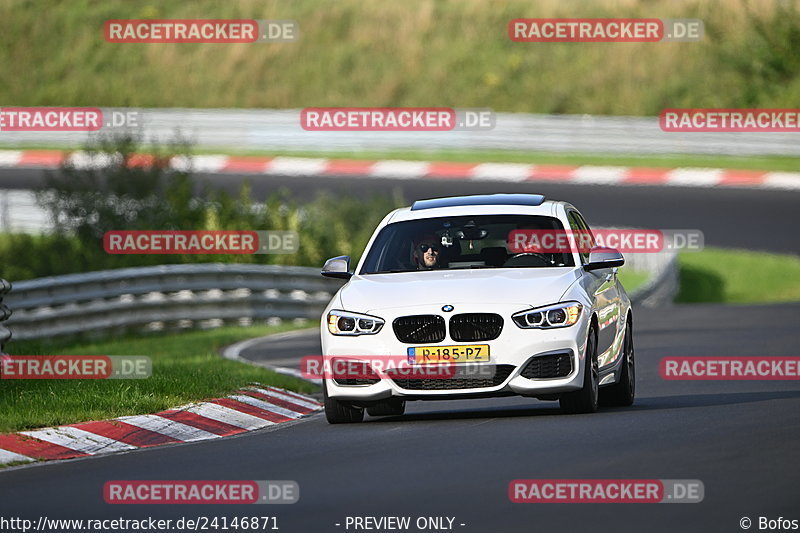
{"x": 420, "y": 329}
{"x": 557, "y": 365}
{"x": 501, "y": 373}
{"x": 470, "y": 327}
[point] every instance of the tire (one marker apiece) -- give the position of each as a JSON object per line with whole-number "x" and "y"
{"x": 622, "y": 393}
{"x": 387, "y": 407}
{"x": 586, "y": 399}
{"x": 337, "y": 412}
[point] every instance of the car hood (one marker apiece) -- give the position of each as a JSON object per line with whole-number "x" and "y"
{"x": 521, "y": 286}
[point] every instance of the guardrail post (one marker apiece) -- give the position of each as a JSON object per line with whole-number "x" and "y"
{"x": 5, "y": 312}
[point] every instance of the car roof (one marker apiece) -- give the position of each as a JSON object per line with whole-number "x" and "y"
{"x": 479, "y": 199}
{"x": 485, "y": 204}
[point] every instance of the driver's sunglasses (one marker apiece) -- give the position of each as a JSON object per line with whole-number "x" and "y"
{"x": 424, "y": 248}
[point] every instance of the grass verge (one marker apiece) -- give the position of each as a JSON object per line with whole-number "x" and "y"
{"x": 632, "y": 279}
{"x": 738, "y": 276}
{"x": 414, "y": 53}
{"x": 186, "y": 368}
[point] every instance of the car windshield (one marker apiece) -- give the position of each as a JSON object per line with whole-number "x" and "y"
{"x": 464, "y": 242}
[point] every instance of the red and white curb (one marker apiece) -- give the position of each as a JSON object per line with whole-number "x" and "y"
{"x": 391, "y": 169}
{"x": 249, "y": 409}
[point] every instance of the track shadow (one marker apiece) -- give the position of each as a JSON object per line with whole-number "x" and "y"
{"x": 543, "y": 409}
{"x": 699, "y": 285}
{"x": 535, "y": 409}
{"x": 708, "y": 400}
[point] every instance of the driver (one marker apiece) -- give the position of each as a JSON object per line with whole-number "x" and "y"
{"x": 427, "y": 252}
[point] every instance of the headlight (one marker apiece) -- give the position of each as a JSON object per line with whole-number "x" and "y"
{"x": 552, "y": 316}
{"x": 353, "y": 324}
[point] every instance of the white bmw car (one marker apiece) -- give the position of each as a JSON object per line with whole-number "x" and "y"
{"x": 444, "y": 305}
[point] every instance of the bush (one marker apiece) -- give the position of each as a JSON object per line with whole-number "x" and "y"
{"x": 85, "y": 203}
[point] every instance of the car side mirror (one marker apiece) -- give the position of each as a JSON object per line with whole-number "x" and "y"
{"x": 602, "y": 257}
{"x": 337, "y": 267}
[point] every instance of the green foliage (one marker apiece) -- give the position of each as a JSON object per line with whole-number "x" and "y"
{"x": 25, "y": 256}
{"x": 412, "y": 53}
{"x": 738, "y": 276}
{"x": 767, "y": 57}
{"x": 186, "y": 368}
{"x": 116, "y": 195}
{"x": 85, "y": 203}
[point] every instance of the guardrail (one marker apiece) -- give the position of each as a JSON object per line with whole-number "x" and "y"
{"x": 5, "y": 313}
{"x": 207, "y": 295}
{"x": 662, "y": 286}
{"x": 279, "y": 129}
{"x": 166, "y": 297}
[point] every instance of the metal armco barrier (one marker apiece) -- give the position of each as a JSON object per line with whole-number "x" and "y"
{"x": 5, "y": 313}
{"x": 209, "y": 295}
{"x": 664, "y": 283}
{"x": 280, "y": 129}
{"x": 165, "y": 297}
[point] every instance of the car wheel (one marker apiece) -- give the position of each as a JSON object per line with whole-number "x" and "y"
{"x": 387, "y": 407}
{"x": 337, "y": 412}
{"x": 585, "y": 400}
{"x": 623, "y": 392}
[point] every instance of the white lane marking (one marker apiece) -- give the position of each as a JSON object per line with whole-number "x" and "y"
{"x": 266, "y": 406}
{"x": 782, "y": 180}
{"x": 694, "y": 177}
{"x": 399, "y": 169}
{"x": 289, "y": 398}
{"x": 502, "y": 171}
{"x": 199, "y": 163}
{"x": 294, "y": 373}
{"x": 227, "y": 415}
{"x": 296, "y": 166}
{"x": 10, "y": 158}
{"x": 11, "y": 457}
{"x": 598, "y": 175}
{"x": 79, "y": 440}
{"x": 170, "y": 428}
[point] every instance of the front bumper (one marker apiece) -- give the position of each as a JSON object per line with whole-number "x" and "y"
{"x": 509, "y": 353}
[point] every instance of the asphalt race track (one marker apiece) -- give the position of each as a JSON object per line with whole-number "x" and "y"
{"x": 456, "y": 459}
{"x": 734, "y": 218}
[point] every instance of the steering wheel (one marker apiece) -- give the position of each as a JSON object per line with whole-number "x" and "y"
{"x": 541, "y": 257}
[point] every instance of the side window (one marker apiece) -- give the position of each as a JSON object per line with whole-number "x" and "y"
{"x": 577, "y": 224}
{"x": 583, "y": 223}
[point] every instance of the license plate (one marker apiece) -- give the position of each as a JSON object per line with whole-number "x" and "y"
{"x": 468, "y": 353}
